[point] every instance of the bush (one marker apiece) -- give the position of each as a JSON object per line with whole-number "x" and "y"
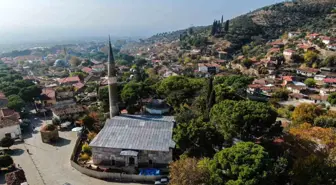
{"x": 5, "y": 161}
{"x": 91, "y": 135}
{"x": 86, "y": 149}
{"x": 48, "y": 127}
{"x": 6, "y": 142}
{"x": 84, "y": 157}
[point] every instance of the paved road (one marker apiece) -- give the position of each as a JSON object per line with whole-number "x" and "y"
{"x": 49, "y": 164}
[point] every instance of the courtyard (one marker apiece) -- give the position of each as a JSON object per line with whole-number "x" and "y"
{"x": 48, "y": 164}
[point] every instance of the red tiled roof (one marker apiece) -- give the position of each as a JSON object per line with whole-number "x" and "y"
{"x": 49, "y": 92}
{"x": 78, "y": 85}
{"x": 274, "y": 50}
{"x": 329, "y": 80}
{"x": 288, "y": 78}
{"x": 86, "y": 69}
{"x": 69, "y": 79}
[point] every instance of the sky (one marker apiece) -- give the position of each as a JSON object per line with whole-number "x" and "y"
{"x": 47, "y": 20}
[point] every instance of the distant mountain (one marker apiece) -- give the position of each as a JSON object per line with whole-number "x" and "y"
{"x": 268, "y": 22}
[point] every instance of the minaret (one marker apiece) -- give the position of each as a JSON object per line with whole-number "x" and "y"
{"x": 112, "y": 83}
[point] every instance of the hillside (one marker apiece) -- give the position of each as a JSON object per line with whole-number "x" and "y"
{"x": 263, "y": 24}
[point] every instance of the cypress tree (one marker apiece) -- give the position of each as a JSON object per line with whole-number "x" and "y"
{"x": 226, "y": 27}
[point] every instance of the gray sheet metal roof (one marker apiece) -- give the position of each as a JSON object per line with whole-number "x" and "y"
{"x": 136, "y": 133}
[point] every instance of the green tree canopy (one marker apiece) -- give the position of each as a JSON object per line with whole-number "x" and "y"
{"x": 29, "y": 93}
{"x": 75, "y": 61}
{"x": 332, "y": 98}
{"x": 179, "y": 89}
{"x": 81, "y": 75}
{"x": 281, "y": 94}
{"x": 6, "y": 161}
{"x": 15, "y": 102}
{"x": 132, "y": 92}
{"x": 310, "y": 82}
{"x": 197, "y": 138}
{"x": 246, "y": 120}
{"x": 245, "y": 163}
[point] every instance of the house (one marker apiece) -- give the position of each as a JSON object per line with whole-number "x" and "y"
{"x": 69, "y": 111}
{"x": 48, "y": 97}
{"x": 330, "y": 81}
{"x": 86, "y": 70}
{"x": 332, "y": 47}
{"x": 308, "y": 72}
{"x": 135, "y": 141}
{"x": 69, "y": 80}
{"x": 208, "y": 67}
{"x": 9, "y": 124}
{"x": 222, "y": 55}
{"x": 97, "y": 69}
{"x": 293, "y": 34}
{"x": 3, "y": 100}
{"x": 328, "y": 40}
{"x": 288, "y": 53}
{"x": 319, "y": 77}
{"x": 313, "y": 35}
{"x": 296, "y": 87}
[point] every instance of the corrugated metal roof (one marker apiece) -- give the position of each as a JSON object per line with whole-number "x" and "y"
{"x": 153, "y": 133}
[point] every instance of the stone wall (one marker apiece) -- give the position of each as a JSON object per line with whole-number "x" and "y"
{"x": 106, "y": 155}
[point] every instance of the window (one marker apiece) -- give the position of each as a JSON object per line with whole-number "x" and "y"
{"x": 150, "y": 162}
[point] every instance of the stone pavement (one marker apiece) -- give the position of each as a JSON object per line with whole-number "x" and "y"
{"x": 50, "y": 164}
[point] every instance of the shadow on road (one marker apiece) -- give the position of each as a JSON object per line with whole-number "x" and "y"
{"x": 16, "y": 152}
{"x": 61, "y": 142}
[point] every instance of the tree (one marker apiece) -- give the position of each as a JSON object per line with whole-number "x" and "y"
{"x": 179, "y": 89}
{"x": 75, "y": 61}
{"x": 132, "y": 92}
{"x": 11, "y": 90}
{"x": 310, "y": 57}
{"x": 29, "y": 93}
{"x": 7, "y": 142}
{"x": 332, "y": 98}
{"x": 306, "y": 113}
{"x": 87, "y": 63}
{"x": 243, "y": 163}
{"x": 197, "y": 138}
{"x": 227, "y": 25}
{"x": 330, "y": 61}
{"x": 88, "y": 122}
{"x": 325, "y": 121}
{"x": 246, "y": 120}
{"x": 310, "y": 82}
{"x": 81, "y": 75}
{"x": 225, "y": 93}
{"x": 6, "y": 161}
{"x": 281, "y": 94}
{"x": 15, "y": 102}
{"x": 187, "y": 171}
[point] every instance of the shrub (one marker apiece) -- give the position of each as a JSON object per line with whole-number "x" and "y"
{"x": 5, "y": 161}
{"x": 84, "y": 157}
{"x": 48, "y": 127}
{"x": 6, "y": 142}
{"x": 91, "y": 135}
{"x": 86, "y": 148}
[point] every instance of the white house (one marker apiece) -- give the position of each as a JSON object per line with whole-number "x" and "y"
{"x": 288, "y": 52}
{"x": 332, "y": 47}
{"x": 327, "y": 40}
{"x": 9, "y": 124}
{"x": 293, "y": 34}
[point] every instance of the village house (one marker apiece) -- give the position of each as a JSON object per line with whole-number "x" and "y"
{"x": 288, "y": 53}
{"x": 86, "y": 70}
{"x": 313, "y": 35}
{"x": 208, "y": 67}
{"x": 48, "y": 97}
{"x": 308, "y": 72}
{"x": 69, "y": 80}
{"x": 328, "y": 40}
{"x": 330, "y": 81}
{"x": 9, "y": 124}
{"x": 135, "y": 141}
{"x": 332, "y": 47}
{"x": 293, "y": 34}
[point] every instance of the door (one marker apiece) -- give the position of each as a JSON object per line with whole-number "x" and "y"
{"x": 131, "y": 161}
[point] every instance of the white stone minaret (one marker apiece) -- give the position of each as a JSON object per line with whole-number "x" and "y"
{"x": 112, "y": 83}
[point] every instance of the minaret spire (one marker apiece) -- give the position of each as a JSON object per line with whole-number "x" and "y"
{"x": 112, "y": 83}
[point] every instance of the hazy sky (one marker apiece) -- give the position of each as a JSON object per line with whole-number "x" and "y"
{"x": 29, "y": 20}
